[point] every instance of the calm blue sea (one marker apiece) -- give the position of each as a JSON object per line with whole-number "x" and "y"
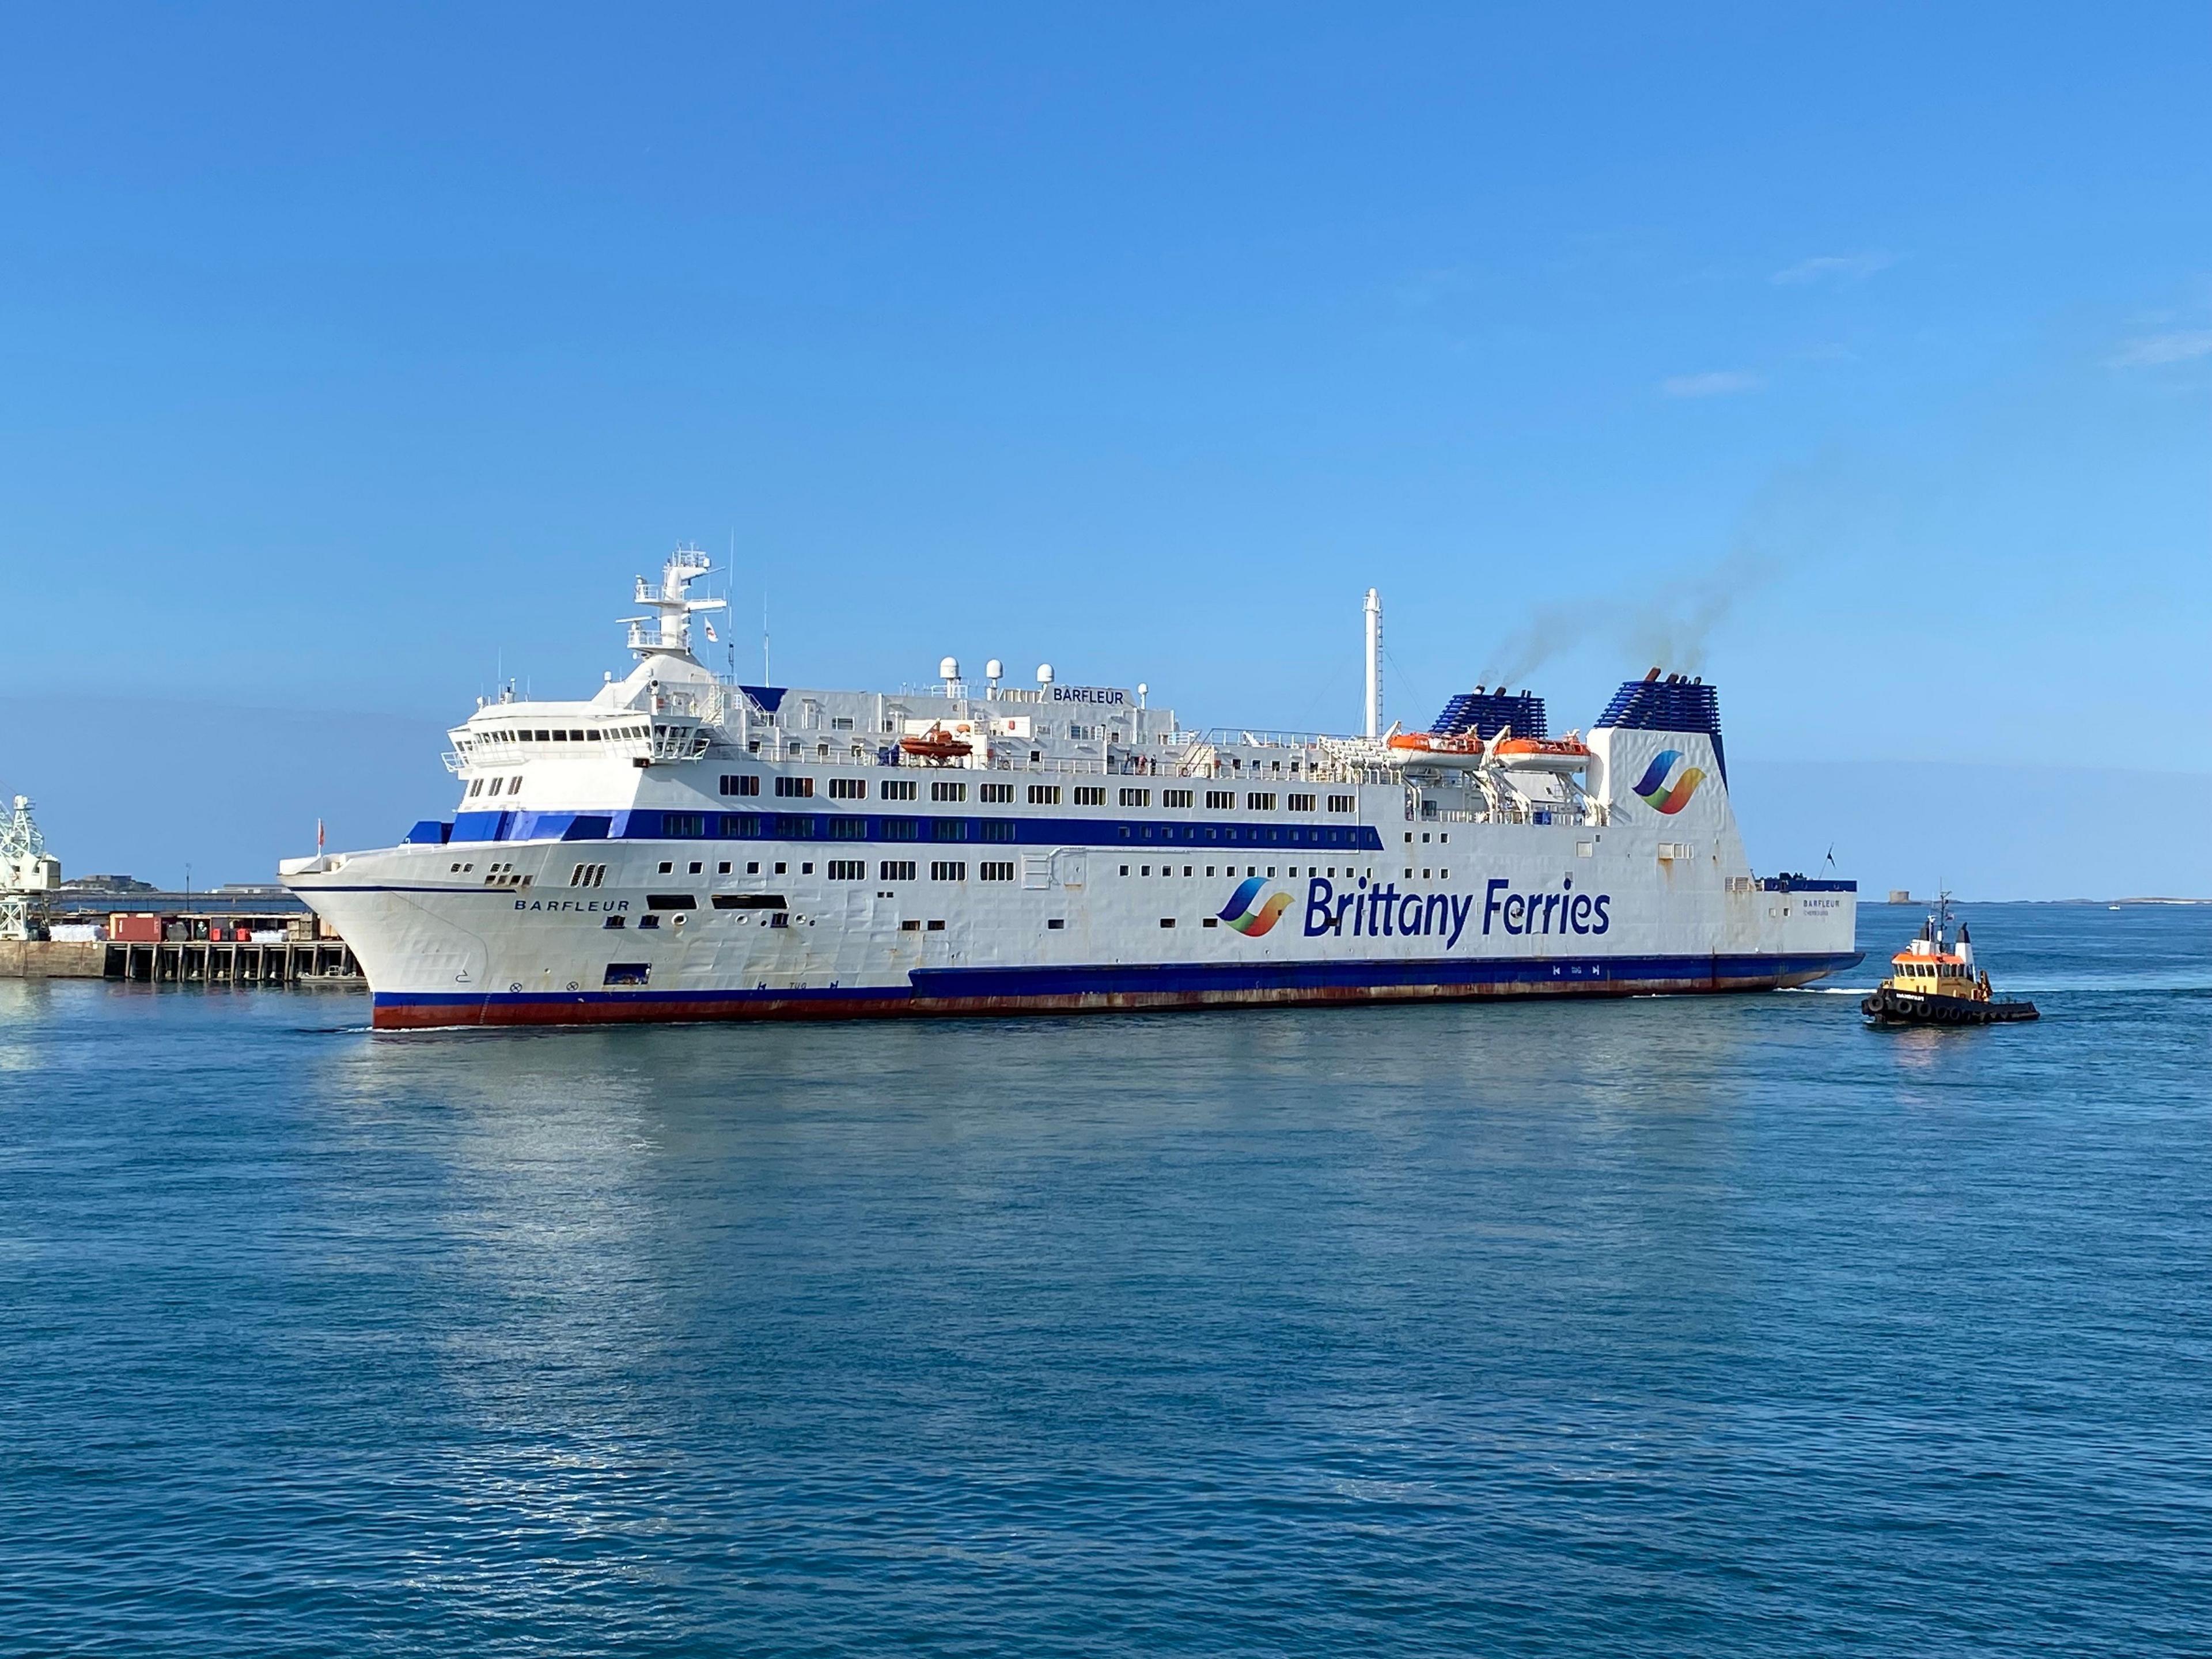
{"x": 1700, "y": 1325}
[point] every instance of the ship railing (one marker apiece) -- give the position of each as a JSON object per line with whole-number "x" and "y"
{"x": 1249, "y": 738}
{"x": 454, "y": 762}
{"x": 1559, "y": 813}
{"x": 1065, "y": 766}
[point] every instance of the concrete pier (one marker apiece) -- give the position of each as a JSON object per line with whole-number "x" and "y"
{"x": 230, "y": 961}
{"x": 38, "y": 958}
{"x": 184, "y": 962}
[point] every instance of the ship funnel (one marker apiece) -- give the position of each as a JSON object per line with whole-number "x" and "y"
{"x": 1484, "y": 714}
{"x": 1679, "y": 704}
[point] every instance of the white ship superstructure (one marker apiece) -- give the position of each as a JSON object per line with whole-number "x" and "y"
{"x": 681, "y": 848}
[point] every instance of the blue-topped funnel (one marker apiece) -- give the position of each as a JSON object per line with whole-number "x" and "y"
{"x": 1674, "y": 702}
{"x": 1485, "y": 714}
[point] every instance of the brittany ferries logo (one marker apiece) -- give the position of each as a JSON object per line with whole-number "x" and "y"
{"x": 1657, "y": 793}
{"x": 1239, "y": 914}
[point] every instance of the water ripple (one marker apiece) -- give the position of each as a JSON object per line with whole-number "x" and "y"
{"x": 1671, "y": 1325}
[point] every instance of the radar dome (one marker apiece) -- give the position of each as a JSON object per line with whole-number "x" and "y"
{"x": 1044, "y": 673}
{"x": 949, "y": 669}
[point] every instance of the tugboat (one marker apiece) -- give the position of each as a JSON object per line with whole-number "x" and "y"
{"x": 1932, "y": 981}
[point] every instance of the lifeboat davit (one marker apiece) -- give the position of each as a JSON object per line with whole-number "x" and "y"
{"x": 937, "y": 745}
{"x": 1562, "y": 755}
{"x": 1430, "y": 749}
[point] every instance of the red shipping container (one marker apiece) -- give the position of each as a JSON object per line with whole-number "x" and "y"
{"x": 143, "y": 929}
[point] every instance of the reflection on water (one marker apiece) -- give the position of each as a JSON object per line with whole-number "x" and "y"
{"x": 1662, "y": 1324}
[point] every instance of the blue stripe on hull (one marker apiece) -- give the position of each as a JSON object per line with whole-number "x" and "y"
{"x": 1080, "y": 989}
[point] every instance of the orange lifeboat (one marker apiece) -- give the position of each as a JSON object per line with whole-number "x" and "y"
{"x": 937, "y": 745}
{"x": 1567, "y": 754}
{"x": 1428, "y": 749}
{"x": 1427, "y": 743}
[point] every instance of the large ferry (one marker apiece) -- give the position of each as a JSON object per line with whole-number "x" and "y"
{"x": 680, "y": 847}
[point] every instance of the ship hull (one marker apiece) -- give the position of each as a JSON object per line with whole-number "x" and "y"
{"x": 1523, "y": 911}
{"x": 987, "y": 992}
{"x": 1891, "y": 1007}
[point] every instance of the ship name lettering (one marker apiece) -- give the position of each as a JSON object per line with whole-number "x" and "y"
{"x": 1383, "y": 912}
{"x": 574, "y": 907}
{"x": 1564, "y": 912}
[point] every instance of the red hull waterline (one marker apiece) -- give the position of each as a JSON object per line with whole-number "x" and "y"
{"x": 556, "y": 1009}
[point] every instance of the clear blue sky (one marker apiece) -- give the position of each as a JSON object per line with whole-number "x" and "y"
{"x": 346, "y": 356}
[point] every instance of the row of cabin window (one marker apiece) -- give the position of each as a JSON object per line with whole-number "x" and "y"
{"x": 904, "y": 869}
{"x": 1289, "y": 873}
{"x": 513, "y": 782}
{"x": 1934, "y": 970}
{"x": 593, "y": 734}
{"x": 796, "y": 749}
{"x": 1040, "y": 794}
{"x": 746, "y": 826}
{"x": 594, "y": 875}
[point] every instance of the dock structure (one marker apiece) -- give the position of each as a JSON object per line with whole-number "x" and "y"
{"x": 232, "y": 962}
{"x": 197, "y": 940}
